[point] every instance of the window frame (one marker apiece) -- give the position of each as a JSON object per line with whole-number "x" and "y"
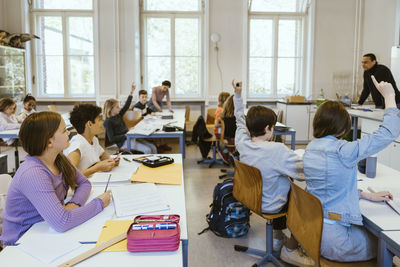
{"x": 172, "y": 15}
{"x": 64, "y": 14}
{"x": 299, "y": 57}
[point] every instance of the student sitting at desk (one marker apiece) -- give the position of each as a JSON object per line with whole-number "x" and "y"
{"x": 142, "y": 104}
{"x": 28, "y": 109}
{"x": 8, "y": 120}
{"x": 330, "y": 168}
{"x": 116, "y": 127}
{"x": 276, "y": 162}
{"x": 39, "y": 188}
{"x": 227, "y": 115}
{"x": 85, "y": 151}
{"x": 157, "y": 96}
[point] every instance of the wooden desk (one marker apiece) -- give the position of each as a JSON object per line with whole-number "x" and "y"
{"x": 378, "y": 216}
{"x": 157, "y": 123}
{"x": 12, "y": 256}
{"x": 90, "y": 230}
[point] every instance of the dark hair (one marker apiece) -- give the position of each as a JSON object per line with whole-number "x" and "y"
{"x": 81, "y": 114}
{"x": 35, "y": 133}
{"x": 259, "y": 117}
{"x": 166, "y": 83}
{"x": 371, "y": 56}
{"x": 331, "y": 118}
{"x": 142, "y": 92}
{"x": 28, "y": 98}
{"x": 5, "y": 103}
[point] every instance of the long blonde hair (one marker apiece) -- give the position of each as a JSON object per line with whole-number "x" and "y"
{"x": 108, "y": 106}
{"x": 228, "y": 109}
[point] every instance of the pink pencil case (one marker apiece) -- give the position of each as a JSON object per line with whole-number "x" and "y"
{"x": 154, "y": 233}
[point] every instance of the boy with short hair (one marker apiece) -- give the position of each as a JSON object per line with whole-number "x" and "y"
{"x": 142, "y": 104}
{"x": 84, "y": 151}
{"x": 276, "y": 162}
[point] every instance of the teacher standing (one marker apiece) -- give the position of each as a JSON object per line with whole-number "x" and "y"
{"x": 381, "y": 73}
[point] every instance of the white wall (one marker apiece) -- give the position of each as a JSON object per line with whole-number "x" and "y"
{"x": 333, "y": 42}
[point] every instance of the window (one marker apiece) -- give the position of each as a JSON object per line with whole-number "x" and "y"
{"x": 275, "y": 48}
{"x": 171, "y": 41}
{"x": 64, "y": 55}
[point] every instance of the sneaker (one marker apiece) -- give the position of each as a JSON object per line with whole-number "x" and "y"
{"x": 277, "y": 244}
{"x": 296, "y": 257}
{"x": 223, "y": 156}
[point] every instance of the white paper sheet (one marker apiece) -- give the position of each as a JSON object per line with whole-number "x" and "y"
{"x": 48, "y": 247}
{"x": 121, "y": 173}
{"x": 137, "y": 199}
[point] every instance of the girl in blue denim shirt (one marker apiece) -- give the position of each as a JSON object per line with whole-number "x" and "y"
{"x": 330, "y": 168}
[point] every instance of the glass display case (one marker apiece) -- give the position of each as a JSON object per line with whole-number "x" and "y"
{"x": 12, "y": 72}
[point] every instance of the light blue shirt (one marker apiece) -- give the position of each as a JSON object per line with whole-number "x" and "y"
{"x": 330, "y": 167}
{"x": 274, "y": 160}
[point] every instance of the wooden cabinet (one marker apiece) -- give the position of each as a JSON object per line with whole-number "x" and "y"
{"x": 12, "y": 72}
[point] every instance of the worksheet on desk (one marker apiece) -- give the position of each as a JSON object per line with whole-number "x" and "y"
{"x": 136, "y": 199}
{"x": 121, "y": 173}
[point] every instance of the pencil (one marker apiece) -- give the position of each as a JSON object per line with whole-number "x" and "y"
{"x": 109, "y": 177}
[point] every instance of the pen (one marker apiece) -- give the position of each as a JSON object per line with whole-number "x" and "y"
{"x": 126, "y": 159}
{"x": 109, "y": 177}
{"x": 160, "y": 220}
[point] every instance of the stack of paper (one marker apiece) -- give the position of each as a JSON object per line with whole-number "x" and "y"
{"x": 48, "y": 247}
{"x": 167, "y": 174}
{"x": 121, "y": 173}
{"x": 137, "y": 199}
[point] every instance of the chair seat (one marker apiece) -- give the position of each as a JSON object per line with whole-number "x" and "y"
{"x": 327, "y": 263}
{"x": 211, "y": 139}
{"x": 273, "y": 216}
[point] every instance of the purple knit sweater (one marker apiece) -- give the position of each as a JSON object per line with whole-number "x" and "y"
{"x": 36, "y": 194}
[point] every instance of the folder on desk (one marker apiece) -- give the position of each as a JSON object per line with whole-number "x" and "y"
{"x": 168, "y": 174}
{"x": 112, "y": 229}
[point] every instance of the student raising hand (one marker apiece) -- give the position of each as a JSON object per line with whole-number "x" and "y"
{"x": 386, "y": 89}
{"x": 133, "y": 87}
{"x": 237, "y": 86}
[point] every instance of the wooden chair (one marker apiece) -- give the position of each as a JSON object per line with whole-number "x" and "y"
{"x": 305, "y": 222}
{"x": 210, "y": 120}
{"x": 131, "y": 118}
{"x": 247, "y": 188}
{"x": 52, "y": 108}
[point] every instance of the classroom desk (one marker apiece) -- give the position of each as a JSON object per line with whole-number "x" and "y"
{"x": 90, "y": 230}
{"x": 390, "y": 246}
{"x": 378, "y": 216}
{"x": 376, "y": 115}
{"x": 290, "y": 131}
{"x": 12, "y": 256}
{"x": 157, "y": 123}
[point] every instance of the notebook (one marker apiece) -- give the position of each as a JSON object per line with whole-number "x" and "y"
{"x": 135, "y": 199}
{"x": 121, "y": 173}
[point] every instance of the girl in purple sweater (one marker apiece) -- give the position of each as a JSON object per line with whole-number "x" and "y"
{"x": 40, "y": 185}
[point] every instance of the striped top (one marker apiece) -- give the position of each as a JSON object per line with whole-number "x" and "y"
{"x": 36, "y": 194}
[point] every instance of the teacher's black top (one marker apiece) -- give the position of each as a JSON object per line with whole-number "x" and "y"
{"x": 381, "y": 73}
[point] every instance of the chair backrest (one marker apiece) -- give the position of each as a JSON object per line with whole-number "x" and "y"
{"x": 222, "y": 136}
{"x": 187, "y": 113}
{"x": 52, "y": 108}
{"x": 247, "y": 186}
{"x": 305, "y": 219}
{"x": 211, "y": 116}
{"x": 132, "y": 117}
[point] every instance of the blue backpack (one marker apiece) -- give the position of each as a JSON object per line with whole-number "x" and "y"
{"x": 227, "y": 217}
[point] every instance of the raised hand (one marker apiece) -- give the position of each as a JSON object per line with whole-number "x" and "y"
{"x": 386, "y": 89}
{"x": 133, "y": 87}
{"x": 237, "y": 86}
